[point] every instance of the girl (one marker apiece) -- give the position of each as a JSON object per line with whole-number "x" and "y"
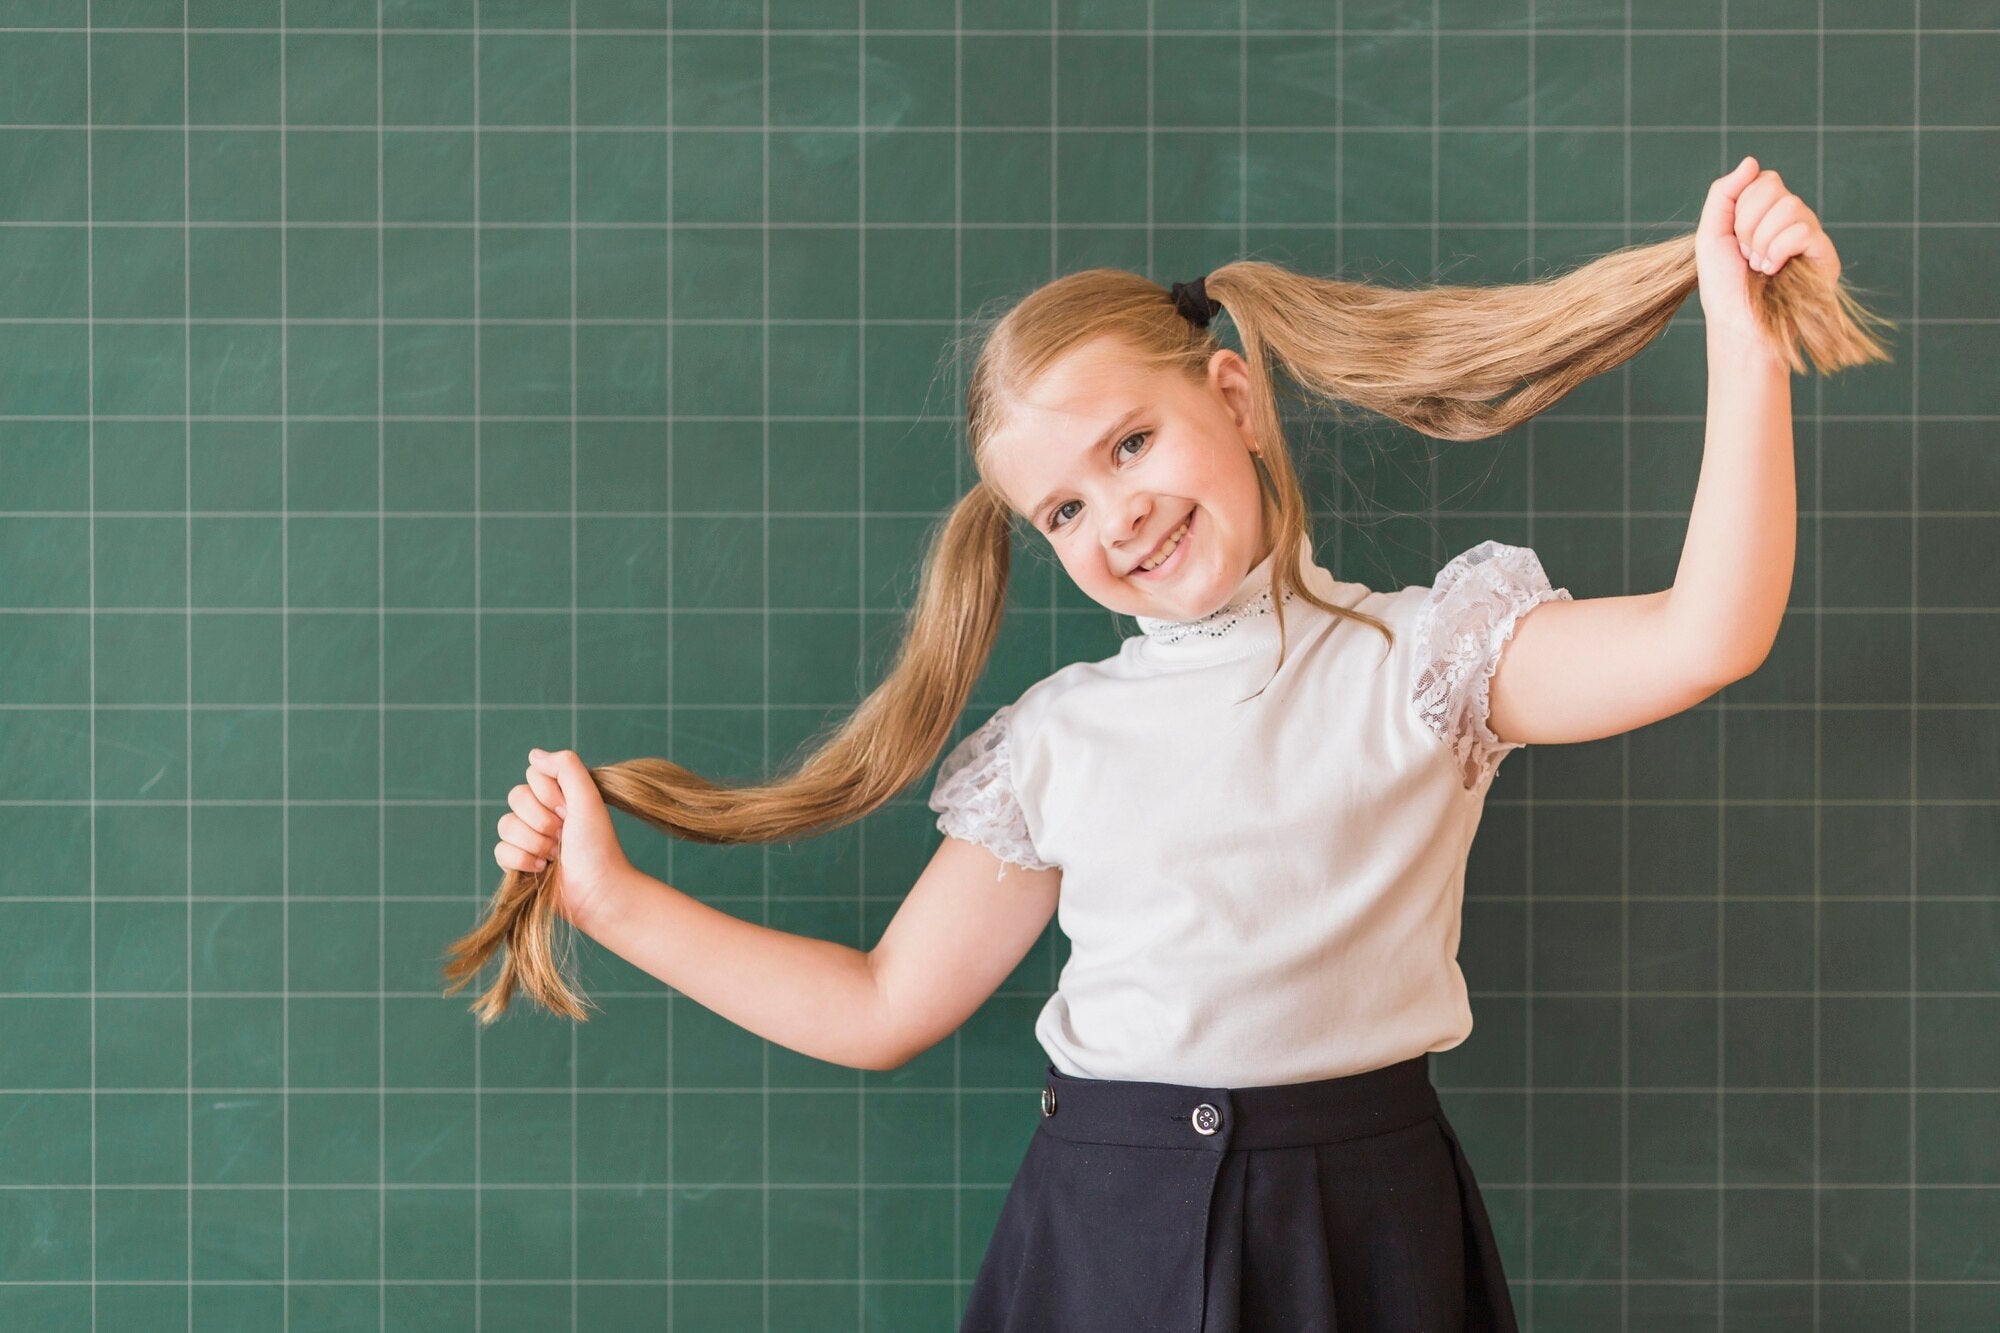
{"x": 1252, "y": 819}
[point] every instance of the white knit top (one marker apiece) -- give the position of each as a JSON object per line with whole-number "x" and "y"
{"x": 1265, "y": 891}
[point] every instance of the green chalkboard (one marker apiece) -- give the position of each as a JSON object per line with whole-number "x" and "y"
{"x": 387, "y": 389}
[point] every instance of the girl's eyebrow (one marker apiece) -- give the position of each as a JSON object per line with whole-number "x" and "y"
{"x": 1035, "y": 514}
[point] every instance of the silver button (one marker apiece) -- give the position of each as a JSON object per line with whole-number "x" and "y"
{"x": 1048, "y": 1101}
{"x": 1206, "y": 1119}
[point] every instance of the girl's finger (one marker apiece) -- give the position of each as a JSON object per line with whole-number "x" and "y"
{"x": 1789, "y": 242}
{"x": 1749, "y": 213}
{"x": 549, "y": 763}
{"x": 514, "y": 830}
{"x": 547, "y": 790}
{"x": 536, "y": 815}
{"x": 511, "y": 857}
{"x": 1757, "y": 199}
{"x": 1783, "y": 214}
{"x": 571, "y": 773}
{"x": 526, "y": 833}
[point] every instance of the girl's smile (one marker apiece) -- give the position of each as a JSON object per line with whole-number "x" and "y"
{"x": 1173, "y": 561}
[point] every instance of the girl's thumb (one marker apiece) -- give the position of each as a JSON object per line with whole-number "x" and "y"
{"x": 1718, "y": 210}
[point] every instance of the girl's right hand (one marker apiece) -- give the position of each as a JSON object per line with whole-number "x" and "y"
{"x": 558, "y": 816}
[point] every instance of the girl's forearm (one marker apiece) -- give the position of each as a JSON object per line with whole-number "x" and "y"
{"x": 809, "y": 995}
{"x": 1735, "y": 574}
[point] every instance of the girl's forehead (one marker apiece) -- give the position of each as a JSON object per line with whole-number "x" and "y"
{"x": 1103, "y": 365}
{"x": 1079, "y": 395}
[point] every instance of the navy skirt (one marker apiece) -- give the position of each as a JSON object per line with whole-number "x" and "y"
{"x": 1343, "y": 1205}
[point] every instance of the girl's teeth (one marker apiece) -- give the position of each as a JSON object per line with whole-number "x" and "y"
{"x": 1172, "y": 543}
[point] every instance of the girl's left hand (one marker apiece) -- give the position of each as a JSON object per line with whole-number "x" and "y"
{"x": 1751, "y": 221}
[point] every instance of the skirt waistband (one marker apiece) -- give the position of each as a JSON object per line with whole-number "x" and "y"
{"x": 1278, "y": 1115}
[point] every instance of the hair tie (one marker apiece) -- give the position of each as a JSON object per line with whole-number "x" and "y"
{"x": 1194, "y": 303}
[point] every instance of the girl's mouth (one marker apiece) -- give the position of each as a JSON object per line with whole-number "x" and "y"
{"x": 1172, "y": 562}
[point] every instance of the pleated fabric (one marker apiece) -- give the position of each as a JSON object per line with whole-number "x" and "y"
{"x": 1344, "y": 1205}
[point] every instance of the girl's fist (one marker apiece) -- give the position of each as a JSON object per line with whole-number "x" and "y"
{"x": 1752, "y": 223}
{"x": 558, "y": 821}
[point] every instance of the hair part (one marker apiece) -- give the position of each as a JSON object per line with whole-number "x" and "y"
{"x": 1453, "y": 362}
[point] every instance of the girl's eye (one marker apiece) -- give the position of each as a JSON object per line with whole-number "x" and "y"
{"x": 1055, "y": 514}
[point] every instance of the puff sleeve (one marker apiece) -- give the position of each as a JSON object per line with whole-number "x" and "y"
{"x": 1462, "y": 628}
{"x": 975, "y": 798}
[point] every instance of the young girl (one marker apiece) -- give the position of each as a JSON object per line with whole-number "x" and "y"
{"x": 1253, "y": 818}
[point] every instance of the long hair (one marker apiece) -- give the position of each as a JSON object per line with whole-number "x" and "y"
{"x": 1453, "y": 362}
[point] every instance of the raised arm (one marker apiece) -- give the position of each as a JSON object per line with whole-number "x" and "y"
{"x": 1583, "y": 670}
{"x": 1735, "y": 574}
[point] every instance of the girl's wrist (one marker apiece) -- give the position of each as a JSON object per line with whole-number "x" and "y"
{"x": 1743, "y": 349}
{"x": 604, "y": 906}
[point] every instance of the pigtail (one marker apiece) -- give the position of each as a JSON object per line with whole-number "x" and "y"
{"x": 888, "y": 742}
{"x": 1465, "y": 363}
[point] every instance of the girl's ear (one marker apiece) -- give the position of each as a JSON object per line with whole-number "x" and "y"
{"x": 1229, "y": 375}
{"x": 1224, "y": 363}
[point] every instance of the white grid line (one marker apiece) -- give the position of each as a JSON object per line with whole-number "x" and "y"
{"x": 90, "y": 406}
{"x": 1270, "y": 33}
{"x": 382, "y": 714}
{"x": 961, "y": 1285}
{"x": 1525, "y": 1287}
{"x": 1072, "y": 128}
{"x": 1721, "y": 836}
{"x": 575, "y": 1271}
{"x": 1818, "y": 750}
{"x": 187, "y": 639}
{"x": 885, "y": 224}
{"x": 1625, "y": 780}
{"x": 861, "y": 1080}
{"x": 285, "y": 650}
{"x": 478, "y": 661}
{"x": 764, "y": 697}
{"x": 673, "y": 998}
{"x": 1916, "y": 551}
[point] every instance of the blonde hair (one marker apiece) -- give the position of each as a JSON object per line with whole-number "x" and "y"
{"x": 1454, "y": 362}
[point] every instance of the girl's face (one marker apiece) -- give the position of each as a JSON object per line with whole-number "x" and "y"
{"x": 1108, "y": 462}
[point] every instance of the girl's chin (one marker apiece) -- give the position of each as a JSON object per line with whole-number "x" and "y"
{"x": 1189, "y": 601}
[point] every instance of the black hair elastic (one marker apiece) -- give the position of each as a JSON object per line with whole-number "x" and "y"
{"x": 1194, "y": 303}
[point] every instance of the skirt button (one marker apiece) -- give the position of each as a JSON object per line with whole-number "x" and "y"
{"x": 1206, "y": 1119}
{"x": 1048, "y": 1101}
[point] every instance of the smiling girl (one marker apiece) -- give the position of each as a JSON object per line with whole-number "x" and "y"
{"x": 1252, "y": 821}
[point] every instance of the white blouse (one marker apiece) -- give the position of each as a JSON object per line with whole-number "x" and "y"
{"x": 1262, "y": 873}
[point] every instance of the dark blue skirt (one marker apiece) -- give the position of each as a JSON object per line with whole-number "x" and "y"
{"x": 1343, "y": 1205}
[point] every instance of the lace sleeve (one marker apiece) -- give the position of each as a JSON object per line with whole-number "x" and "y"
{"x": 1462, "y": 629}
{"x": 975, "y": 798}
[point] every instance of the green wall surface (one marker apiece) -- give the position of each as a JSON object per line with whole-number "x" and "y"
{"x": 387, "y": 388}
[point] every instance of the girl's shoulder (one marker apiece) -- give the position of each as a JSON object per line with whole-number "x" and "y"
{"x": 1033, "y": 703}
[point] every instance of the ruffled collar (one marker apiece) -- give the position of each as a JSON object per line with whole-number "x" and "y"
{"x": 1242, "y": 624}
